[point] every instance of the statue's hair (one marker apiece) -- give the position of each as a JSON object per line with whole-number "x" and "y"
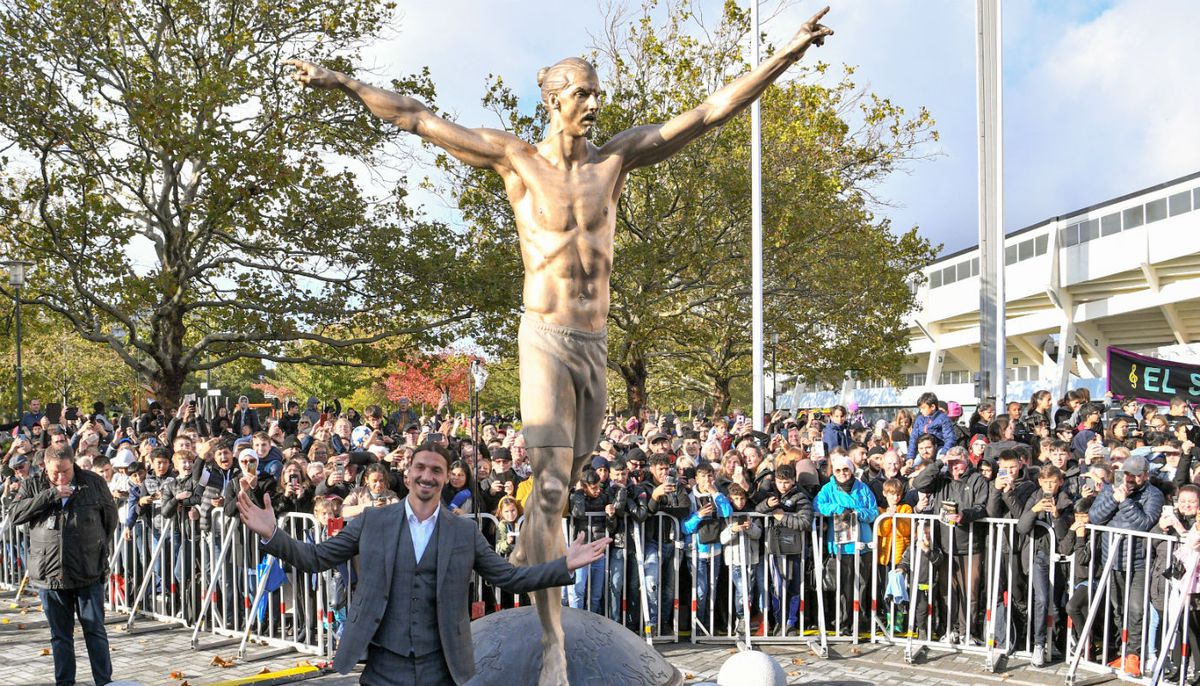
{"x": 556, "y": 77}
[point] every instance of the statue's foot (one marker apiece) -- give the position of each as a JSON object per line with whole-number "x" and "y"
{"x": 554, "y": 664}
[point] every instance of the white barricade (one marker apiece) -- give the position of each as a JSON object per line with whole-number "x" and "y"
{"x": 1127, "y": 605}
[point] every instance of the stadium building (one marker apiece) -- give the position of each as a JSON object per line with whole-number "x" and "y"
{"x": 1123, "y": 273}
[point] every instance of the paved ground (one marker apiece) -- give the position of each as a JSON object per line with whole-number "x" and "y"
{"x": 155, "y": 654}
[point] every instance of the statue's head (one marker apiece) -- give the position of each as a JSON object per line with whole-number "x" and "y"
{"x": 571, "y": 93}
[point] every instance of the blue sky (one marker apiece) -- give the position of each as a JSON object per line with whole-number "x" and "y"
{"x": 1100, "y": 98}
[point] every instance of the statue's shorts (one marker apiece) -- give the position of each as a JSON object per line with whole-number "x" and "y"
{"x": 563, "y": 385}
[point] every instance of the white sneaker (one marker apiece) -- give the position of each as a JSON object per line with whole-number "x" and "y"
{"x": 1039, "y": 656}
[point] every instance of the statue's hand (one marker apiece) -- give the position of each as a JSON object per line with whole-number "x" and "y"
{"x": 812, "y": 32}
{"x": 312, "y": 75}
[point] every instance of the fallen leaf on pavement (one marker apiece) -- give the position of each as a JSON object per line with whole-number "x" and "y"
{"x": 45, "y": 651}
{"x": 304, "y": 663}
{"x": 797, "y": 661}
{"x": 794, "y": 673}
{"x": 176, "y": 675}
{"x": 265, "y": 670}
{"x": 221, "y": 662}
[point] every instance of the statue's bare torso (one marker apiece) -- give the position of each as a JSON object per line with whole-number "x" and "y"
{"x": 566, "y": 220}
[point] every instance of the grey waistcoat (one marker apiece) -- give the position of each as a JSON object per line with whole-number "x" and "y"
{"x": 409, "y": 625}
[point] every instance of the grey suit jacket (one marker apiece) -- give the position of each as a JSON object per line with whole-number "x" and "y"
{"x": 461, "y": 548}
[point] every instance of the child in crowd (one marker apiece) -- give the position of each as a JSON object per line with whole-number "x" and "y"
{"x": 895, "y": 532}
{"x": 739, "y": 540}
{"x": 508, "y": 512}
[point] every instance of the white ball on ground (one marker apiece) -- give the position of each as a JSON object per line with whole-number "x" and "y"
{"x": 751, "y": 668}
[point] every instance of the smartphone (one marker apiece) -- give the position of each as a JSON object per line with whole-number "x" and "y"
{"x": 339, "y": 468}
{"x": 1003, "y": 473}
{"x": 703, "y": 501}
{"x": 190, "y": 398}
{"x": 335, "y": 525}
{"x": 1168, "y": 510}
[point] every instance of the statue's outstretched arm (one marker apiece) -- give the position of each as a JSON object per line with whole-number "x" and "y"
{"x": 645, "y": 145}
{"x": 487, "y": 148}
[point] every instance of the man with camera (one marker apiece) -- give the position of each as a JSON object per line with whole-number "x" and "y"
{"x": 591, "y": 512}
{"x": 71, "y": 517}
{"x": 621, "y": 492}
{"x": 661, "y": 495}
{"x": 710, "y": 508}
{"x": 792, "y": 513}
{"x": 1134, "y": 504}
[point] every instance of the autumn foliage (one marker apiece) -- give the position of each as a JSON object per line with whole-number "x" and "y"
{"x": 426, "y": 379}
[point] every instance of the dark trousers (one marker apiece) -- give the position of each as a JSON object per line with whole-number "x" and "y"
{"x": 61, "y": 608}
{"x": 1127, "y": 588}
{"x": 962, "y": 589}
{"x": 385, "y": 668}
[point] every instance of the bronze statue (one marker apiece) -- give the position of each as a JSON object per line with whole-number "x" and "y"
{"x": 564, "y": 193}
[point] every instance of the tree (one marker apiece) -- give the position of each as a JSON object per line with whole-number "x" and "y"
{"x": 189, "y": 208}
{"x": 61, "y": 367}
{"x": 430, "y": 379}
{"x": 837, "y": 276}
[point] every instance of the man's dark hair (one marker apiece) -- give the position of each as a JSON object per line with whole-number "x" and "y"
{"x": 660, "y": 459}
{"x": 1059, "y": 444}
{"x": 100, "y": 461}
{"x": 838, "y": 407}
{"x": 373, "y": 411}
{"x": 155, "y": 453}
{"x": 703, "y": 469}
{"x": 928, "y": 399}
{"x": 225, "y": 444}
{"x": 58, "y": 452}
{"x": 927, "y": 437}
{"x": 433, "y": 447}
{"x": 1009, "y": 454}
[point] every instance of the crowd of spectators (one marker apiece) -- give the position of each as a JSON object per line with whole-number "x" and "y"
{"x": 740, "y": 503}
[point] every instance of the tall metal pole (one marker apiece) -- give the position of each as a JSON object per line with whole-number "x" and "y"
{"x": 20, "y": 381}
{"x": 992, "y": 369}
{"x": 756, "y": 256}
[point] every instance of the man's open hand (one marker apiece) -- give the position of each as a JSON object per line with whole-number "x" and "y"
{"x": 260, "y": 520}
{"x": 582, "y": 554}
{"x": 312, "y": 75}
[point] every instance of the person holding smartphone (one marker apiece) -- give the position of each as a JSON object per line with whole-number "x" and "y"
{"x": 1054, "y": 508}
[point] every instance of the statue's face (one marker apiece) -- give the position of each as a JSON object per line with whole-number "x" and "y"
{"x": 577, "y": 105}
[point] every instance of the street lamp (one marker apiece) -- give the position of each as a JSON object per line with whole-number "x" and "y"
{"x": 16, "y": 279}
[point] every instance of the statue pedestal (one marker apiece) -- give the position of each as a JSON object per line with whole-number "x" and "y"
{"x": 600, "y": 652}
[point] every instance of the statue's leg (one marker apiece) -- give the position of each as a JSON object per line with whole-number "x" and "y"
{"x": 542, "y": 540}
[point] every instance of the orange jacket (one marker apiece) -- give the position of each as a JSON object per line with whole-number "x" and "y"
{"x": 888, "y": 553}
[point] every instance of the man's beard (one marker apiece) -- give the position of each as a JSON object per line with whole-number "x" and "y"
{"x": 433, "y": 491}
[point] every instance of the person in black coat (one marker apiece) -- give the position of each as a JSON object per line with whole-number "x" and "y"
{"x": 71, "y": 518}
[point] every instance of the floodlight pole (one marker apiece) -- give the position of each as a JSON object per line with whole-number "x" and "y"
{"x": 756, "y": 239}
{"x": 993, "y": 377}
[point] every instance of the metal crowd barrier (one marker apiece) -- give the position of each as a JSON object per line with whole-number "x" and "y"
{"x": 778, "y": 588}
{"x": 1011, "y": 578}
{"x": 250, "y": 595}
{"x": 14, "y": 551}
{"x": 637, "y": 584}
{"x": 1111, "y": 630}
{"x": 217, "y": 581}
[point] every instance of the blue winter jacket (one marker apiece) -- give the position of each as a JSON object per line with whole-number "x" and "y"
{"x": 1139, "y": 511}
{"x": 832, "y": 500}
{"x": 692, "y": 524}
{"x": 939, "y": 425}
